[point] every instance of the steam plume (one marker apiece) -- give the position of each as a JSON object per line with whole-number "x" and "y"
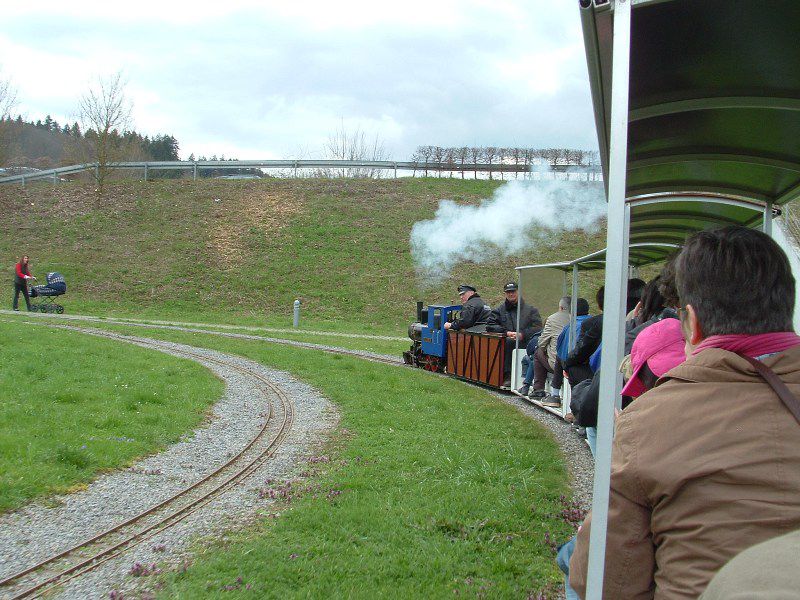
{"x": 520, "y": 215}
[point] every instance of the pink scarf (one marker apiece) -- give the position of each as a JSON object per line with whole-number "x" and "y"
{"x": 751, "y": 345}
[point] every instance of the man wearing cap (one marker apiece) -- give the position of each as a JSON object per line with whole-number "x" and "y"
{"x": 504, "y": 320}
{"x": 473, "y": 310}
{"x": 707, "y": 463}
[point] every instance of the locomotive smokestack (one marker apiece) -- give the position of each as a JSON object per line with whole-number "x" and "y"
{"x": 419, "y": 311}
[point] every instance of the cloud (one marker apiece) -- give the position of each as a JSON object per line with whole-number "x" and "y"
{"x": 263, "y": 80}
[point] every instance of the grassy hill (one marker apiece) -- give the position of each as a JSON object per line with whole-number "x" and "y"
{"x": 242, "y": 251}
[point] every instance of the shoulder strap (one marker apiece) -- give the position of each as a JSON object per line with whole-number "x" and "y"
{"x": 783, "y": 392}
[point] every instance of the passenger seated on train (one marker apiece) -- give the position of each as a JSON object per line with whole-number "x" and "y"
{"x": 540, "y": 359}
{"x": 503, "y": 319}
{"x": 474, "y": 313}
{"x": 707, "y": 463}
{"x": 659, "y": 349}
{"x": 562, "y": 350}
{"x": 576, "y": 364}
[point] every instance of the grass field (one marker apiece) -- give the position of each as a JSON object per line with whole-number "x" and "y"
{"x": 74, "y": 406}
{"x": 240, "y": 252}
{"x": 432, "y": 488}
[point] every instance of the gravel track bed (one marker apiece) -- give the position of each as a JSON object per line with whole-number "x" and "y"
{"x": 41, "y": 529}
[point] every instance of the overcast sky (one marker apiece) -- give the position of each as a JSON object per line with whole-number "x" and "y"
{"x": 274, "y": 79}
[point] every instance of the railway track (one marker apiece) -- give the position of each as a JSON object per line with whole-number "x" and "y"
{"x": 58, "y": 569}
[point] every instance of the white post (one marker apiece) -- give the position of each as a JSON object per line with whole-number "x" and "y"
{"x": 296, "y": 322}
{"x": 615, "y": 295}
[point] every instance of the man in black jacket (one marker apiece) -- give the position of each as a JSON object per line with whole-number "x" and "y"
{"x": 577, "y": 363}
{"x": 473, "y": 310}
{"x": 504, "y": 320}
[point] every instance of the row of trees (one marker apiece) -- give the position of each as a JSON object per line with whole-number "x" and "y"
{"x": 521, "y": 159}
{"x": 103, "y": 133}
{"x": 44, "y": 144}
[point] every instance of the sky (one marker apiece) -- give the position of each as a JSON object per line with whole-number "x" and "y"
{"x": 265, "y": 80}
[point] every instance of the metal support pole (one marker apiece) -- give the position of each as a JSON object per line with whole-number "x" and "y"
{"x": 194, "y": 172}
{"x": 395, "y": 170}
{"x": 55, "y": 178}
{"x": 296, "y": 322}
{"x": 23, "y": 181}
{"x": 615, "y": 295}
{"x": 768, "y": 219}
{"x": 145, "y": 172}
{"x": 573, "y": 309}
{"x": 519, "y": 304}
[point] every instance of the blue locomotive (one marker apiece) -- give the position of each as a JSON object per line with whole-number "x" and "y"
{"x": 429, "y": 337}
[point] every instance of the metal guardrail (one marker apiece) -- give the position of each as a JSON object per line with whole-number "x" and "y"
{"x": 386, "y": 165}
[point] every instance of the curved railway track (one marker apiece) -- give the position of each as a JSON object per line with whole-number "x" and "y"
{"x": 86, "y": 556}
{"x": 73, "y": 562}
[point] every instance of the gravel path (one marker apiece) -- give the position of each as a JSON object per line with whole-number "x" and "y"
{"x": 41, "y": 529}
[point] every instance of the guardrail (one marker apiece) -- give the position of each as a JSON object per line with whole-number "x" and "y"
{"x": 385, "y": 165}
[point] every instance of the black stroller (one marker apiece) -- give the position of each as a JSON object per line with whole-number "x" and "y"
{"x": 56, "y": 286}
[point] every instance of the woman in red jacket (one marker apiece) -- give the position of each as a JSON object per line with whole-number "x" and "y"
{"x": 21, "y": 276}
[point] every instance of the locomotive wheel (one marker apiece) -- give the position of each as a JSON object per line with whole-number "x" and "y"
{"x": 433, "y": 363}
{"x": 59, "y": 309}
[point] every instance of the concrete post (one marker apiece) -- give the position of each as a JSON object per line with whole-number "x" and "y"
{"x": 296, "y": 322}
{"x": 194, "y": 172}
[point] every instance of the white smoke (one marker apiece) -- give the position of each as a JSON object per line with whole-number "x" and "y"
{"x": 519, "y": 216}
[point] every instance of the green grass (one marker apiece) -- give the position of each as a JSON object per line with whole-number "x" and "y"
{"x": 432, "y": 488}
{"x": 168, "y": 249}
{"x": 74, "y": 406}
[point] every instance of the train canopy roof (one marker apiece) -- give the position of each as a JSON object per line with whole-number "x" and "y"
{"x": 714, "y": 104}
{"x": 640, "y": 255}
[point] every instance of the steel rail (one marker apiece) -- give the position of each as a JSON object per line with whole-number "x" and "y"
{"x": 173, "y": 517}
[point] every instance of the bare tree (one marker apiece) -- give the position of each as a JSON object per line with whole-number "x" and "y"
{"x": 354, "y": 146}
{"x": 438, "y": 157}
{"x": 475, "y": 153}
{"x": 105, "y": 111}
{"x": 489, "y": 154}
{"x": 8, "y": 98}
{"x": 461, "y": 154}
{"x": 425, "y": 153}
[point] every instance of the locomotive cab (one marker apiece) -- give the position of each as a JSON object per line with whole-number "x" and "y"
{"x": 429, "y": 337}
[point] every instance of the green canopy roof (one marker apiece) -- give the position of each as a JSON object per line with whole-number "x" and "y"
{"x": 714, "y": 101}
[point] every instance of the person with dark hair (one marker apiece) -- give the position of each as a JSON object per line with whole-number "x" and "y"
{"x": 474, "y": 311}
{"x": 503, "y": 319}
{"x": 667, "y": 286}
{"x": 22, "y": 274}
{"x": 707, "y": 463}
{"x": 651, "y": 309}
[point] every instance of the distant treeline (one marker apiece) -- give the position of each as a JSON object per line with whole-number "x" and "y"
{"x": 47, "y": 144}
{"x": 527, "y": 159}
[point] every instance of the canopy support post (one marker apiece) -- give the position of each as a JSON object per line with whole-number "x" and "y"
{"x": 615, "y": 295}
{"x": 768, "y": 218}
{"x": 573, "y": 310}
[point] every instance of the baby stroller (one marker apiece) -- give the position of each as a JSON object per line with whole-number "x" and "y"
{"x": 56, "y": 286}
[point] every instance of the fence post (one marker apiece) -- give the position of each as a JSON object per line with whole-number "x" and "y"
{"x": 194, "y": 172}
{"x": 296, "y": 322}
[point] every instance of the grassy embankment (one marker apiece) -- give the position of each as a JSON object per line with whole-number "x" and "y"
{"x": 240, "y": 252}
{"x": 431, "y": 487}
{"x": 74, "y": 406}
